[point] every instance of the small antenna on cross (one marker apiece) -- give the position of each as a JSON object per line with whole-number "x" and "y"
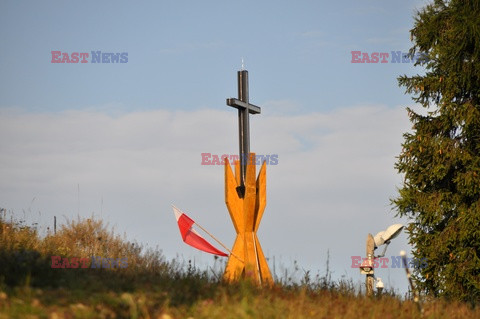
{"x": 243, "y": 65}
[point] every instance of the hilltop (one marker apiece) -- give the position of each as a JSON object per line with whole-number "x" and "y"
{"x": 125, "y": 280}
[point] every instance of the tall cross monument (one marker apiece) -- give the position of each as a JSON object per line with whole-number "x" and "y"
{"x": 245, "y": 196}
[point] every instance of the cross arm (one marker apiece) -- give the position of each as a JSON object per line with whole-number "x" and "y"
{"x": 236, "y": 103}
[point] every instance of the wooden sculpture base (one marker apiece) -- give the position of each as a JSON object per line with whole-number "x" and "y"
{"x": 247, "y": 259}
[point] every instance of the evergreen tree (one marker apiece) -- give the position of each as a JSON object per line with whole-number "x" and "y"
{"x": 440, "y": 158}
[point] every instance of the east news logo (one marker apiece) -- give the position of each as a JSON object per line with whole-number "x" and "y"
{"x": 96, "y": 262}
{"x": 382, "y": 57}
{"x": 83, "y": 57}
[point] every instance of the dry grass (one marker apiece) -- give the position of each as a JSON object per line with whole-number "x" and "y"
{"x": 151, "y": 287}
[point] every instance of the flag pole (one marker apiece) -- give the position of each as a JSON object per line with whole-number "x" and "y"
{"x": 218, "y": 241}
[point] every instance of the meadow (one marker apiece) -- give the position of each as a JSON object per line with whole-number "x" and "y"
{"x": 137, "y": 282}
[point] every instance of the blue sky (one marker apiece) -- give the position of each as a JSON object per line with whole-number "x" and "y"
{"x": 295, "y": 51}
{"x": 129, "y": 136}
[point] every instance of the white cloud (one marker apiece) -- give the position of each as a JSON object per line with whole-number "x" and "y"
{"x": 330, "y": 188}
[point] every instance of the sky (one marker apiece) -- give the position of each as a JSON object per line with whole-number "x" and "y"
{"x": 123, "y": 141}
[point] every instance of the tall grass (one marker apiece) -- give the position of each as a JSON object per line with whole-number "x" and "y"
{"x": 152, "y": 287}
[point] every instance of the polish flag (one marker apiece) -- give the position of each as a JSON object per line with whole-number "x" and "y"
{"x": 191, "y": 237}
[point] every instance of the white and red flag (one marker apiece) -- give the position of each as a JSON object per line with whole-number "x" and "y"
{"x": 191, "y": 237}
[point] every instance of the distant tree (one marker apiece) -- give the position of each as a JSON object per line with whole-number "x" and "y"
{"x": 440, "y": 158}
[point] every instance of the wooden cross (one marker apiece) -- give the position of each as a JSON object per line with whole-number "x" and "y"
{"x": 244, "y": 109}
{"x": 246, "y": 198}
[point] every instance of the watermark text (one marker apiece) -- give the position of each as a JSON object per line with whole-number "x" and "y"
{"x": 385, "y": 57}
{"x": 385, "y": 262}
{"x": 215, "y": 159}
{"x": 93, "y": 262}
{"x": 86, "y": 57}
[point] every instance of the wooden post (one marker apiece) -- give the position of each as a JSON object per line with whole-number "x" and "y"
{"x": 369, "y": 277}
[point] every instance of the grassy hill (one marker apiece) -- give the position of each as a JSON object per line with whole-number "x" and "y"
{"x": 128, "y": 281}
